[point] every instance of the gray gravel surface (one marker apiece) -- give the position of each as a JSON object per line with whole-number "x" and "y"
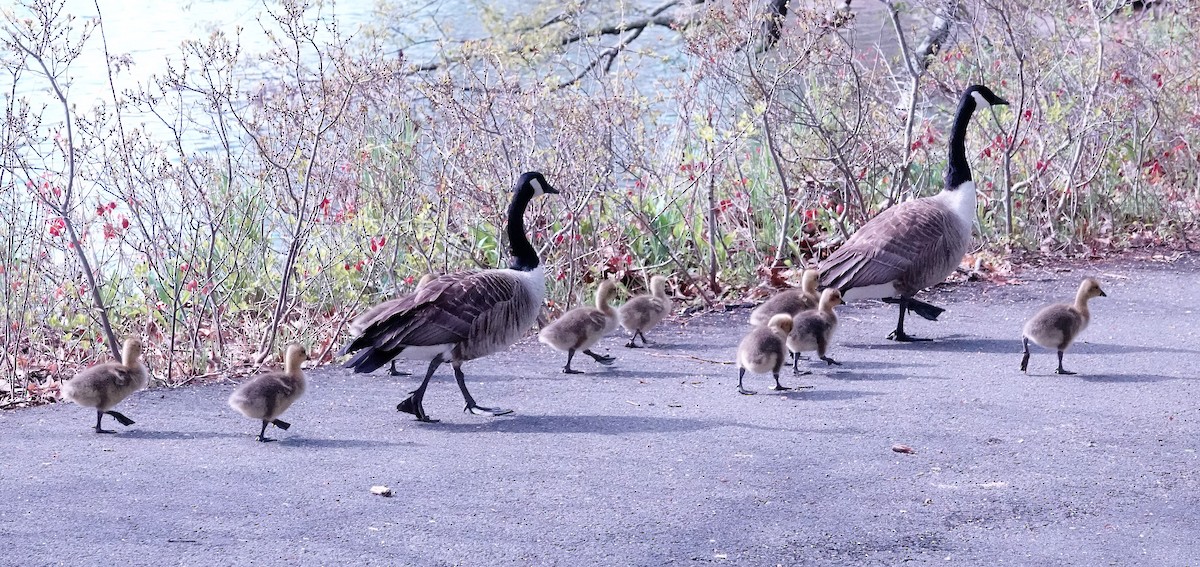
{"x": 657, "y": 460}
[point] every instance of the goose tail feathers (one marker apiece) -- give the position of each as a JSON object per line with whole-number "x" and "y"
{"x": 368, "y": 359}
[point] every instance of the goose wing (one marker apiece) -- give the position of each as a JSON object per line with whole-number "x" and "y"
{"x": 588, "y": 321}
{"x": 901, "y": 241}
{"x": 122, "y": 376}
{"x": 450, "y": 310}
{"x": 641, "y": 311}
{"x": 364, "y": 320}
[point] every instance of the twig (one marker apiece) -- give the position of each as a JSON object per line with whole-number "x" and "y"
{"x": 726, "y": 362}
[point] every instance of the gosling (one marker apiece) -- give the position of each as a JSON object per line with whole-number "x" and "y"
{"x": 764, "y": 350}
{"x": 1056, "y": 326}
{"x": 813, "y": 330}
{"x": 643, "y": 312}
{"x": 103, "y": 386}
{"x": 790, "y": 301}
{"x": 267, "y": 396}
{"x": 582, "y": 327}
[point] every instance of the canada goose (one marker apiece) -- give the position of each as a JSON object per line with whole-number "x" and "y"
{"x": 461, "y": 316}
{"x": 103, "y": 386}
{"x": 763, "y": 350}
{"x": 580, "y": 328}
{"x": 1056, "y": 326}
{"x": 359, "y": 323}
{"x": 643, "y": 312}
{"x": 267, "y": 396}
{"x": 916, "y": 244}
{"x": 813, "y": 330}
{"x": 790, "y": 301}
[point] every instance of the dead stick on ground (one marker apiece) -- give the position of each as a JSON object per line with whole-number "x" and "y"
{"x": 691, "y": 357}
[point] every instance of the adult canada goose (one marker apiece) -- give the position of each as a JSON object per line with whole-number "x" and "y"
{"x": 461, "y": 316}
{"x": 103, "y": 386}
{"x": 813, "y": 330}
{"x": 582, "y": 327}
{"x": 360, "y": 323}
{"x": 1056, "y": 326}
{"x": 916, "y": 244}
{"x": 267, "y": 396}
{"x": 643, "y": 312}
{"x": 790, "y": 301}
{"x": 763, "y": 350}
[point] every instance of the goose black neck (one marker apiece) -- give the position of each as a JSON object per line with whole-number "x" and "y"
{"x": 524, "y": 257}
{"x": 958, "y": 171}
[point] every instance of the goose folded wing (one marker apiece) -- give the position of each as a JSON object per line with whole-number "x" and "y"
{"x": 592, "y": 321}
{"x": 390, "y": 307}
{"x": 898, "y": 241}
{"x": 445, "y": 311}
{"x": 281, "y": 387}
{"x": 122, "y": 376}
{"x": 366, "y": 318}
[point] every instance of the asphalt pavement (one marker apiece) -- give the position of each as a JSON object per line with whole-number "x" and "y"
{"x": 657, "y": 460}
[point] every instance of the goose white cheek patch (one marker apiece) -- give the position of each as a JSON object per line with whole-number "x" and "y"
{"x": 980, "y": 100}
{"x": 537, "y": 186}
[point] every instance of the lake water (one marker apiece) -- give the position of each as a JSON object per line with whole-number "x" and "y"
{"x": 150, "y": 31}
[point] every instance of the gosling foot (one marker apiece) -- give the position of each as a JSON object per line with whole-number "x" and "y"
{"x": 120, "y": 417}
{"x": 601, "y": 358}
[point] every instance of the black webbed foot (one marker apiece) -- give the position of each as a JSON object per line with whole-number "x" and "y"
{"x": 493, "y": 412}
{"x": 1064, "y": 372}
{"x": 746, "y": 392}
{"x": 120, "y": 417}
{"x": 830, "y": 361}
{"x": 902, "y": 337}
{"x": 393, "y": 371}
{"x": 601, "y": 358}
{"x": 410, "y": 405}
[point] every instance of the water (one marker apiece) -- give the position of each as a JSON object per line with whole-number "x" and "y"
{"x": 151, "y": 31}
